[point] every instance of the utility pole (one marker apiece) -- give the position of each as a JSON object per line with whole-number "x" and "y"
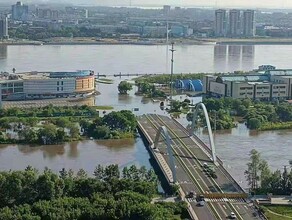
{"x": 171, "y": 71}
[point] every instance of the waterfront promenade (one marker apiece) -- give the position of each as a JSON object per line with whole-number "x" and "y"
{"x": 222, "y": 194}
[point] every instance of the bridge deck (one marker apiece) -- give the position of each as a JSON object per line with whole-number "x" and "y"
{"x": 223, "y": 194}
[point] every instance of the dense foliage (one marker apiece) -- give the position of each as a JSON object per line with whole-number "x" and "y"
{"x": 124, "y": 87}
{"x": 262, "y": 180}
{"x": 258, "y": 115}
{"x": 24, "y": 32}
{"x": 63, "y": 124}
{"x": 149, "y": 90}
{"x": 49, "y": 111}
{"x": 108, "y": 195}
{"x": 165, "y": 78}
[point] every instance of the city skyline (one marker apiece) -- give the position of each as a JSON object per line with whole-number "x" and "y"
{"x": 183, "y": 3}
{"x": 248, "y": 4}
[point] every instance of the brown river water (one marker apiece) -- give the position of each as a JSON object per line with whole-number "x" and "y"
{"x": 233, "y": 146}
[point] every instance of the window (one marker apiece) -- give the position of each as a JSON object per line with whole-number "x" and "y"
{"x": 62, "y": 83}
{"x": 18, "y": 89}
{"x": 18, "y": 84}
{"x": 57, "y": 88}
{"x": 57, "y": 83}
{"x": 62, "y": 88}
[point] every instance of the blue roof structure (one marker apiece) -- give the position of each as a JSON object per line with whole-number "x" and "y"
{"x": 194, "y": 85}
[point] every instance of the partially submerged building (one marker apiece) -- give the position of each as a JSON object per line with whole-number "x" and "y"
{"x": 268, "y": 85}
{"x": 42, "y": 85}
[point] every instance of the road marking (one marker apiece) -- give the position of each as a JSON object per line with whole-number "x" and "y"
{"x": 224, "y": 207}
{"x": 192, "y": 177}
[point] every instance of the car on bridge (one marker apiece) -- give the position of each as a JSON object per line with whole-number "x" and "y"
{"x": 232, "y": 215}
{"x": 201, "y": 200}
{"x": 190, "y": 195}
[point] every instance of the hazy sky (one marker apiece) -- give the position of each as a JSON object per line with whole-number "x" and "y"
{"x": 212, "y": 3}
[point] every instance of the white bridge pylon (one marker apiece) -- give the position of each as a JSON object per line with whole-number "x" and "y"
{"x": 163, "y": 131}
{"x": 211, "y": 137}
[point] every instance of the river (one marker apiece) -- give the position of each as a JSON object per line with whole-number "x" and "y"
{"x": 233, "y": 146}
{"x": 112, "y": 59}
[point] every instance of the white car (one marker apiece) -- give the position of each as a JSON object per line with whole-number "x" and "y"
{"x": 232, "y": 215}
{"x": 201, "y": 203}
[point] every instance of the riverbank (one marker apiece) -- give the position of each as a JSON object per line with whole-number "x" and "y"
{"x": 106, "y": 41}
{"x": 251, "y": 41}
{"x": 150, "y": 41}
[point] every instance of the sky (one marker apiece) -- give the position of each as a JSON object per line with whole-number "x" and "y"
{"x": 252, "y": 4}
{"x": 207, "y": 3}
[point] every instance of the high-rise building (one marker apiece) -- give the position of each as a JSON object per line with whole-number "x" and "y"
{"x": 166, "y": 9}
{"x": 19, "y": 11}
{"x": 248, "y": 23}
{"x": 4, "y": 28}
{"x": 220, "y": 23}
{"x": 85, "y": 13}
{"x": 234, "y": 29}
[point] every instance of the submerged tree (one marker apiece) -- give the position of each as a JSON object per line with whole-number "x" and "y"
{"x": 124, "y": 87}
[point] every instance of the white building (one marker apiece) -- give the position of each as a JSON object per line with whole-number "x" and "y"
{"x": 274, "y": 84}
{"x": 35, "y": 85}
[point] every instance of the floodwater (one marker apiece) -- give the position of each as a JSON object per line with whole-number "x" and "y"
{"x": 113, "y": 59}
{"x": 233, "y": 146}
{"x": 76, "y": 155}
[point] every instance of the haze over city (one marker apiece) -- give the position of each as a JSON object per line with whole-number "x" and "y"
{"x": 282, "y": 4}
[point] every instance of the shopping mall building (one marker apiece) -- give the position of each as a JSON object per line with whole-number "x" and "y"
{"x": 43, "y": 85}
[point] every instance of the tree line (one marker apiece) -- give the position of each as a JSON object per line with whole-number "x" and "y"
{"x": 262, "y": 180}
{"x": 59, "y": 129}
{"x": 109, "y": 194}
{"x": 256, "y": 114}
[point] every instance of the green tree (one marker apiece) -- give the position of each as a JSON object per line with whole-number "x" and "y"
{"x": 254, "y": 123}
{"x": 29, "y": 135}
{"x": 124, "y": 87}
{"x": 47, "y": 134}
{"x": 74, "y": 130}
{"x": 253, "y": 170}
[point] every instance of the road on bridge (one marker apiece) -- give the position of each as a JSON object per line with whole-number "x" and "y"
{"x": 190, "y": 158}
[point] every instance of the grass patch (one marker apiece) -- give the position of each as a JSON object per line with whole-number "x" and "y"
{"x": 282, "y": 210}
{"x": 105, "y": 81}
{"x": 104, "y": 107}
{"x": 276, "y": 126}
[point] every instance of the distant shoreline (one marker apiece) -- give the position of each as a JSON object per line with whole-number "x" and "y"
{"x": 152, "y": 42}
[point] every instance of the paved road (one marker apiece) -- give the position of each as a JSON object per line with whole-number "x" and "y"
{"x": 189, "y": 158}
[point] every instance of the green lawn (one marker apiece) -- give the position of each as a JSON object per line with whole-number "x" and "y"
{"x": 282, "y": 210}
{"x": 104, "y": 107}
{"x": 105, "y": 81}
